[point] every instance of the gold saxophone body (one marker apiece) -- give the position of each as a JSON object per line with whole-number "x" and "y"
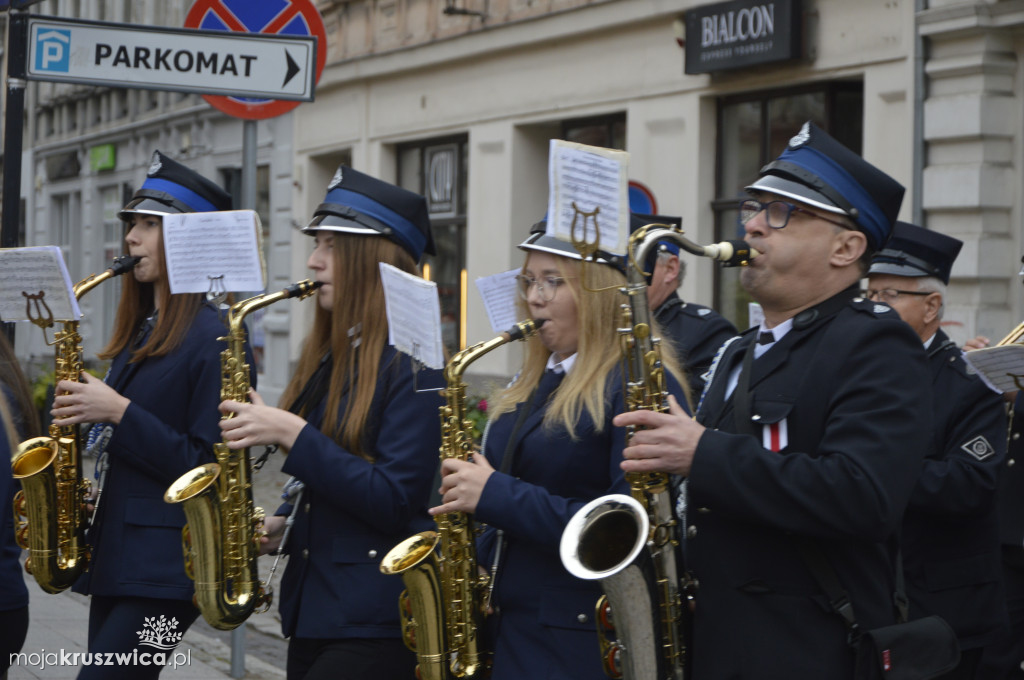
{"x": 50, "y": 508}
{"x": 443, "y": 604}
{"x": 605, "y": 539}
{"x": 221, "y": 539}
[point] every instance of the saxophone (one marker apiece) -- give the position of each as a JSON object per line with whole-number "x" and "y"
{"x": 604, "y": 540}
{"x": 221, "y": 539}
{"x": 50, "y": 508}
{"x": 443, "y": 603}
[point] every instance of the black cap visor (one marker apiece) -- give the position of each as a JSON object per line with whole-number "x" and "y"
{"x": 795, "y": 190}
{"x": 148, "y": 206}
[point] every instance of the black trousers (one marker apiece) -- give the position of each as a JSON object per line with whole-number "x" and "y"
{"x": 377, "y": 658}
{"x": 123, "y": 625}
{"x": 13, "y": 628}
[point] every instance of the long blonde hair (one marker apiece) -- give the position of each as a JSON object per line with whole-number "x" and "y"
{"x": 598, "y": 353}
{"x": 358, "y": 304}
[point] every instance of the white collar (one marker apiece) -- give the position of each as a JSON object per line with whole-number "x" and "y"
{"x": 563, "y": 366}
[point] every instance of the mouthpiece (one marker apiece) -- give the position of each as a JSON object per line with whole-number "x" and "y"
{"x": 123, "y": 264}
{"x": 524, "y": 329}
{"x": 731, "y": 253}
{"x": 302, "y": 288}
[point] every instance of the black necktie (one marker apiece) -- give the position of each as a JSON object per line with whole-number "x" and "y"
{"x": 549, "y": 382}
{"x": 765, "y": 338}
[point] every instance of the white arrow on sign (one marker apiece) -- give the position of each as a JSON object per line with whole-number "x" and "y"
{"x": 235, "y": 64}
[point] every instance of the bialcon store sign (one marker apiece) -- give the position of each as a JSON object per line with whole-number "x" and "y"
{"x": 731, "y": 35}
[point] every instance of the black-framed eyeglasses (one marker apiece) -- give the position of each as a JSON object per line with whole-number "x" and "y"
{"x": 890, "y": 295}
{"x": 547, "y": 286}
{"x": 778, "y": 213}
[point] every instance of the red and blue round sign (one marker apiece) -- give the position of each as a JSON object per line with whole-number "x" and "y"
{"x": 641, "y": 199}
{"x": 283, "y": 17}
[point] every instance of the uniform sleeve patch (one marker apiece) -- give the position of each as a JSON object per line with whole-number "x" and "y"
{"x": 703, "y": 312}
{"x": 979, "y": 448}
{"x": 881, "y": 309}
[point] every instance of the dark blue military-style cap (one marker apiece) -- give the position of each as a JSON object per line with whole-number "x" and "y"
{"x": 171, "y": 187}
{"x": 817, "y": 170}
{"x": 915, "y": 251}
{"x": 359, "y": 204}
{"x": 637, "y": 220}
{"x": 539, "y": 240}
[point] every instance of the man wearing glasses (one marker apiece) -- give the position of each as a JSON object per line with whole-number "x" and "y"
{"x": 950, "y": 538}
{"x": 810, "y": 435}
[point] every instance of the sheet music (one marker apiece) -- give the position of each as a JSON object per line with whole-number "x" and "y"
{"x": 593, "y": 178}
{"x": 201, "y": 247}
{"x": 34, "y": 283}
{"x": 414, "y": 315}
{"x": 1001, "y": 367}
{"x": 500, "y": 295}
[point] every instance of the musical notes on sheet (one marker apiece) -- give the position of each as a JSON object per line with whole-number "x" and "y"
{"x": 590, "y": 180}
{"x": 1001, "y": 367}
{"x": 499, "y": 294}
{"x": 414, "y": 315}
{"x": 214, "y": 251}
{"x": 34, "y": 284}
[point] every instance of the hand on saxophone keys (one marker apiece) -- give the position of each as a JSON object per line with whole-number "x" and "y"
{"x": 462, "y": 483}
{"x": 661, "y": 442}
{"x": 255, "y": 424}
{"x": 273, "y": 532}
{"x": 89, "y": 401}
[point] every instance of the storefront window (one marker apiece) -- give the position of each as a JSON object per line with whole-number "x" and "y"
{"x": 753, "y": 129}
{"x": 437, "y": 169}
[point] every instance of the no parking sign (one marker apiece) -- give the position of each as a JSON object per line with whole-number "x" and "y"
{"x": 284, "y": 17}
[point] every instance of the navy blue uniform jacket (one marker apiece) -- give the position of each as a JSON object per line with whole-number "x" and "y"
{"x": 696, "y": 332}
{"x": 13, "y": 593}
{"x": 352, "y": 512}
{"x": 169, "y": 428}
{"x": 850, "y": 381}
{"x": 545, "y": 628}
{"x": 951, "y": 554}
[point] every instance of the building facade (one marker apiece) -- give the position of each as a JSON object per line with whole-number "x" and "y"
{"x": 458, "y": 99}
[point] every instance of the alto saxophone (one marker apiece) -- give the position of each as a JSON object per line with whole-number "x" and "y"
{"x": 443, "y": 603}
{"x": 604, "y": 540}
{"x": 50, "y": 508}
{"x": 221, "y": 539}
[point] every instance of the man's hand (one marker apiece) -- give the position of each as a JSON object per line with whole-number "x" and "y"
{"x": 662, "y": 442}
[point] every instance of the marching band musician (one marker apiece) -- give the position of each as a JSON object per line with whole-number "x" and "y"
{"x": 359, "y": 434}
{"x": 694, "y": 330}
{"x": 810, "y": 434}
{"x": 19, "y": 421}
{"x": 549, "y": 449}
{"x": 155, "y": 418}
{"x": 949, "y": 538}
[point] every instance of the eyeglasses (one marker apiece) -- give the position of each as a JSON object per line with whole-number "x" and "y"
{"x": 778, "y": 213}
{"x": 547, "y": 286}
{"x": 890, "y": 295}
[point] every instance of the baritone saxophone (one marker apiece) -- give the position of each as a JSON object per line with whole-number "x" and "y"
{"x": 221, "y": 539}
{"x": 442, "y": 606}
{"x": 50, "y": 508}
{"x": 630, "y": 543}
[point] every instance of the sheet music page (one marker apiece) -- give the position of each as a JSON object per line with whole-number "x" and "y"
{"x": 1001, "y": 367}
{"x": 499, "y": 294}
{"x": 214, "y": 251}
{"x": 414, "y": 315}
{"x": 35, "y": 284}
{"x": 595, "y": 179}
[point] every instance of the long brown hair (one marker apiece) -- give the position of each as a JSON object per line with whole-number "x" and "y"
{"x": 138, "y": 302}
{"x": 583, "y": 389}
{"x": 14, "y": 379}
{"x": 358, "y": 304}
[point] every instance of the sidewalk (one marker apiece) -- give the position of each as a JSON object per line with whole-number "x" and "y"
{"x": 59, "y": 623}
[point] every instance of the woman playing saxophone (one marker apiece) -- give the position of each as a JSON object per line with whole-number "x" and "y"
{"x": 549, "y": 450}
{"x": 155, "y": 418}
{"x": 360, "y": 436}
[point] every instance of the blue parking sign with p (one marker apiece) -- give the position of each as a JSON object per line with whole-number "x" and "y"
{"x": 53, "y": 50}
